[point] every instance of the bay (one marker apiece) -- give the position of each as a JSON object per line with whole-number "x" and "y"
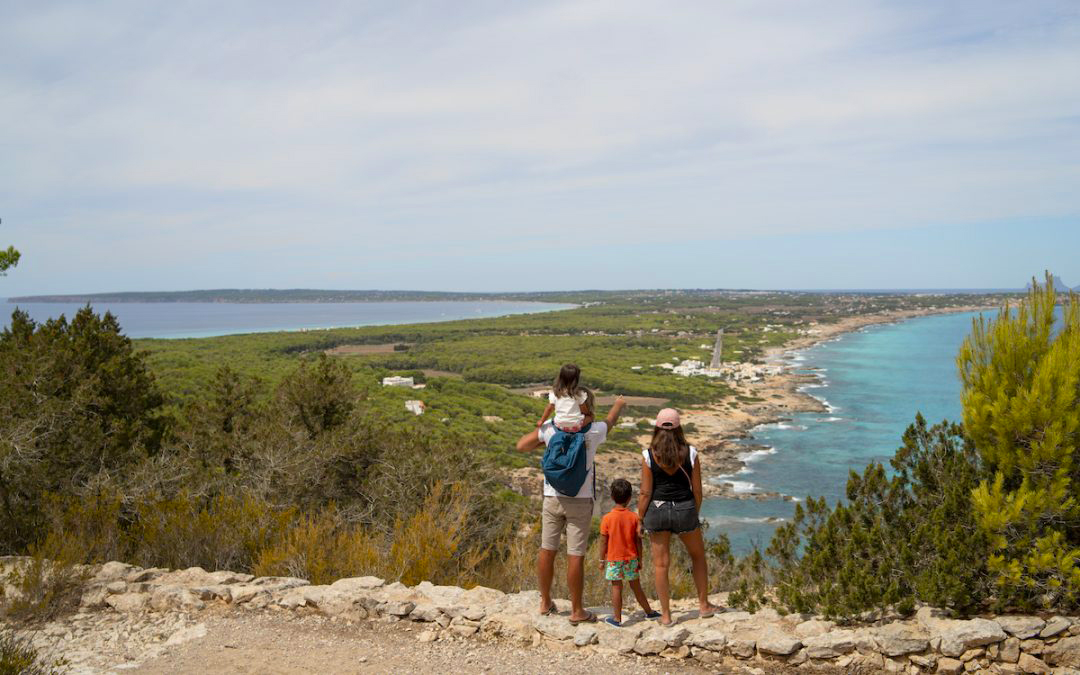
{"x": 874, "y": 381}
{"x": 205, "y": 319}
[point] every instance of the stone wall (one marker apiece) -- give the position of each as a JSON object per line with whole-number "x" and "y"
{"x": 927, "y": 643}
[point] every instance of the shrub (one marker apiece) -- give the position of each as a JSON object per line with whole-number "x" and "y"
{"x": 321, "y": 548}
{"x": 222, "y": 533}
{"x": 908, "y": 538}
{"x": 1021, "y": 374}
{"x": 47, "y": 584}
{"x": 19, "y": 657}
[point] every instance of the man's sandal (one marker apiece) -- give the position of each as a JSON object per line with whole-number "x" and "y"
{"x": 590, "y": 618}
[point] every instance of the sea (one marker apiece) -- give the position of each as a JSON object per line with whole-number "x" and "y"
{"x": 873, "y": 382}
{"x": 207, "y": 319}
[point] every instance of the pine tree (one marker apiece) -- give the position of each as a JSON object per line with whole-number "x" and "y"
{"x": 1021, "y": 409}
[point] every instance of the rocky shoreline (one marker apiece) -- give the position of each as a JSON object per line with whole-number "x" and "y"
{"x": 129, "y": 615}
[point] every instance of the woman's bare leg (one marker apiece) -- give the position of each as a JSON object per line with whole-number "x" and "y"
{"x": 695, "y": 546}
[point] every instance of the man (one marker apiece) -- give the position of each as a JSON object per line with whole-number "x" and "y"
{"x": 572, "y": 514}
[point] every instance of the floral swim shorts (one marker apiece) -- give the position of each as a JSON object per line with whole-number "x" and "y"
{"x": 619, "y": 570}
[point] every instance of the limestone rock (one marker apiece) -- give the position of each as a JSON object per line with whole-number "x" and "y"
{"x": 358, "y": 584}
{"x": 113, "y": 571}
{"x": 742, "y": 647}
{"x": 733, "y": 617}
{"x": 773, "y": 641}
{"x": 972, "y": 654}
{"x": 272, "y": 584}
{"x": 711, "y": 640}
{"x": 186, "y": 635}
{"x": 1023, "y": 627}
{"x": 174, "y": 597}
{"x": 1056, "y": 625}
{"x": 925, "y": 661}
{"x": 515, "y": 626}
{"x": 618, "y": 640}
{"x": 1064, "y": 652}
{"x": 128, "y": 602}
{"x": 585, "y": 635}
{"x": 1032, "y": 664}
{"x": 897, "y": 639}
{"x": 427, "y": 636}
{"x": 813, "y": 627}
{"x": 555, "y": 627}
{"x": 397, "y": 608}
{"x": 959, "y": 636}
{"x": 137, "y": 575}
{"x": 481, "y": 595}
{"x": 673, "y": 636}
{"x": 1009, "y": 651}
{"x": 948, "y": 666}
{"x": 474, "y": 613}
{"x": 649, "y": 643}
{"x": 94, "y": 597}
{"x": 680, "y": 652}
{"x": 1032, "y": 646}
{"x": 425, "y": 613}
{"x": 829, "y": 645}
{"x": 241, "y": 593}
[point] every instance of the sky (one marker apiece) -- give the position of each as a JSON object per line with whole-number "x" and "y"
{"x": 501, "y": 146}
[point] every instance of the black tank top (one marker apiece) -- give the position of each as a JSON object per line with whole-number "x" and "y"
{"x": 669, "y": 487}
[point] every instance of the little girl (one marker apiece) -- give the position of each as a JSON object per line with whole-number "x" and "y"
{"x": 567, "y": 400}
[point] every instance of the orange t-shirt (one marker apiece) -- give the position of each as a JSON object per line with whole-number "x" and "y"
{"x": 620, "y": 526}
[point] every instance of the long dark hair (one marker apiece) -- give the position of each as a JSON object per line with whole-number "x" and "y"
{"x": 566, "y": 384}
{"x": 669, "y": 448}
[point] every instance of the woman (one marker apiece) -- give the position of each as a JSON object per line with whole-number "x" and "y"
{"x": 668, "y": 503}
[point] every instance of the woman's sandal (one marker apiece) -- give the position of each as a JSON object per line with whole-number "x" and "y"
{"x": 590, "y": 618}
{"x": 550, "y": 610}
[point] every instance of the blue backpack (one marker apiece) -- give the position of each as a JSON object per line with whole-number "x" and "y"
{"x": 565, "y": 462}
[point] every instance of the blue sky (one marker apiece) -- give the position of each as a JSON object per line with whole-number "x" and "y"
{"x": 535, "y": 146}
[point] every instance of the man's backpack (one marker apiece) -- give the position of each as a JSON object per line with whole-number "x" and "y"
{"x": 565, "y": 462}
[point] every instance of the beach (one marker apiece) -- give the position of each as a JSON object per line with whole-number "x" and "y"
{"x": 720, "y": 432}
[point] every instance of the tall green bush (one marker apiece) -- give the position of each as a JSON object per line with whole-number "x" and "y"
{"x": 900, "y": 539}
{"x": 1021, "y": 374}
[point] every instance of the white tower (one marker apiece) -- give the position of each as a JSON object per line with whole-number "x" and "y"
{"x": 717, "y": 360}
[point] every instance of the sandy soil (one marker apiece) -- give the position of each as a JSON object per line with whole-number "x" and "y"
{"x": 282, "y": 643}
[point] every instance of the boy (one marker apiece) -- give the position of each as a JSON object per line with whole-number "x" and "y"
{"x": 621, "y": 552}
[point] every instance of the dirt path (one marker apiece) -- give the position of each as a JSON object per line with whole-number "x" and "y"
{"x": 283, "y": 643}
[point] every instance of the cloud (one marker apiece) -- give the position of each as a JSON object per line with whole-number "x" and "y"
{"x": 238, "y": 129}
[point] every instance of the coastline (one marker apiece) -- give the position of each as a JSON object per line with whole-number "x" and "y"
{"x": 718, "y": 428}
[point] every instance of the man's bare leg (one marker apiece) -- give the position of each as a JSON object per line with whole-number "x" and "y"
{"x": 545, "y": 574}
{"x": 575, "y": 579}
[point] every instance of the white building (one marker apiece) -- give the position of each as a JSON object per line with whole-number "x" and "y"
{"x": 396, "y": 381}
{"x": 415, "y": 407}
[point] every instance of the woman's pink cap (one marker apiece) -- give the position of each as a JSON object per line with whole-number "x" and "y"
{"x": 668, "y": 418}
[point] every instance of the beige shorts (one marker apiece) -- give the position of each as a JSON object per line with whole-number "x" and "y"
{"x": 567, "y": 513}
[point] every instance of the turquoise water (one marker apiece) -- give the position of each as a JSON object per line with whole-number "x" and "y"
{"x": 874, "y": 381}
{"x": 206, "y": 319}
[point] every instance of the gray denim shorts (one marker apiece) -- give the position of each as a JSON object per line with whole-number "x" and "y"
{"x": 677, "y": 517}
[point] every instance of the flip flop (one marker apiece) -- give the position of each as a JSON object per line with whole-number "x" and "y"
{"x": 612, "y": 622}
{"x": 653, "y": 615}
{"x": 550, "y": 610}
{"x": 591, "y": 618}
{"x": 707, "y": 615}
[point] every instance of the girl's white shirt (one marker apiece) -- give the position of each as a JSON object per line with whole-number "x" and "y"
{"x": 568, "y": 410}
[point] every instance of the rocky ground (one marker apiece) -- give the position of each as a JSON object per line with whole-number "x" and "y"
{"x": 158, "y": 621}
